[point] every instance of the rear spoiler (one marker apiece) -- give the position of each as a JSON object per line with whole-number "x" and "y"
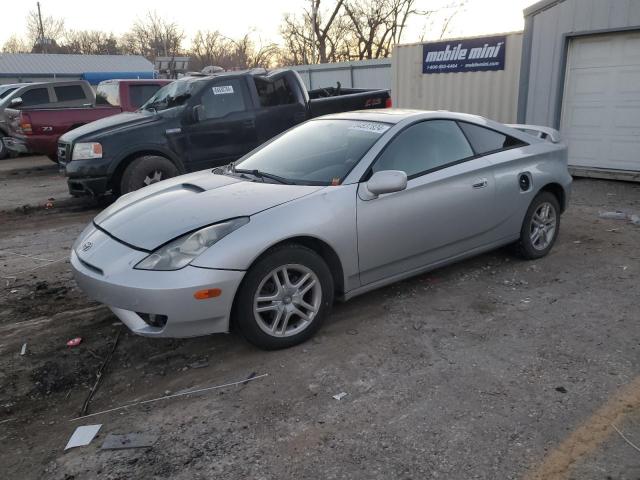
{"x": 545, "y": 133}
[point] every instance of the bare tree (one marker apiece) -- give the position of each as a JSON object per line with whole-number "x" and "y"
{"x": 154, "y": 37}
{"x": 91, "y": 42}
{"x": 15, "y": 44}
{"x": 317, "y": 36}
{"x": 213, "y": 48}
{"x": 356, "y": 29}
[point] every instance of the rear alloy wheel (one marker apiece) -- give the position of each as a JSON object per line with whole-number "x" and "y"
{"x": 540, "y": 227}
{"x": 144, "y": 171}
{"x": 284, "y": 298}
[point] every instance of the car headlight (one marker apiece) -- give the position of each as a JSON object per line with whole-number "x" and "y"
{"x": 85, "y": 151}
{"x": 180, "y": 252}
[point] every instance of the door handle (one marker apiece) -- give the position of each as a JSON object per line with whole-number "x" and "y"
{"x": 481, "y": 183}
{"x": 249, "y": 124}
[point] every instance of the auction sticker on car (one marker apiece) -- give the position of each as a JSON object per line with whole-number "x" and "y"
{"x": 222, "y": 89}
{"x": 373, "y": 127}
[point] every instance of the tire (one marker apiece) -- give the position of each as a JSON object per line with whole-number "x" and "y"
{"x": 532, "y": 246}
{"x": 292, "y": 328}
{"x": 145, "y": 171}
{"x": 53, "y": 158}
{"x": 4, "y": 151}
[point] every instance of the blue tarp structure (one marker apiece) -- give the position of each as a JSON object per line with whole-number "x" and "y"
{"x": 95, "y": 78}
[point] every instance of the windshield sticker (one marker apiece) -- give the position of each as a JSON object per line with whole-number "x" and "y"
{"x": 222, "y": 90}
{"x": 372, "y": 127}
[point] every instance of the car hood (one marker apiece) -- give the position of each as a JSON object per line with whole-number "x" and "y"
{"x": 108, "y": 125}
{"x": 154, "y": 215}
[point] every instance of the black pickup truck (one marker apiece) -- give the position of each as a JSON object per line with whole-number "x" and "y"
{"x": 196, "y": 123}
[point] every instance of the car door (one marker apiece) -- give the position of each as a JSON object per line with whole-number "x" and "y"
{"x": 444, "y": 211}
{"x": 226, "y": 129}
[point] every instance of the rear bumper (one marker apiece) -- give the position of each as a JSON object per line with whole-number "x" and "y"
{"x": 106, "y": 274}
{"x": 36, "y": 144}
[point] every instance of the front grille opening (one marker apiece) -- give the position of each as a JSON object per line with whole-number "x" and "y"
{"x": 153, "y": 319}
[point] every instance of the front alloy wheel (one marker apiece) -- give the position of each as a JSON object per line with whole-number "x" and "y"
{"x": 284, "y": 297}
{"x": 287, "y": 300}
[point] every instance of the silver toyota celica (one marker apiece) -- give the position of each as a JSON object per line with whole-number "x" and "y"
{"x": 332, "y": 208}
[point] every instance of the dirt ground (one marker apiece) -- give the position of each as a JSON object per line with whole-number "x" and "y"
{"x": 494, "y": 368}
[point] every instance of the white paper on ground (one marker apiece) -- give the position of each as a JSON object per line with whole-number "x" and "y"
{"x": 82, "y": 436}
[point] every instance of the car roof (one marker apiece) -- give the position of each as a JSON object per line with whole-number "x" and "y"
{"x": 397, "y": 115}
{"x": 13, "y": 85}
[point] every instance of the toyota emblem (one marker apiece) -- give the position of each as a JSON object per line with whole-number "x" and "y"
{"x": 86, "y": 246}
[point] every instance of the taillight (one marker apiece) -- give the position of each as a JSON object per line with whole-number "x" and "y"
{"x": 388, "y": 103}
{"x": 24, "y": 124}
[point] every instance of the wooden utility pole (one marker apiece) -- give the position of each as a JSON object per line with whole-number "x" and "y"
{"x": 42, "y": 42}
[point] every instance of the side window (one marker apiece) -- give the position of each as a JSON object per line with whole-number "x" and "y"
{"x": 67, "y": 93}
{"x": 35, "y": 96}
{"x": 484, "y": 140}
{"x": 223, "y": 98}
{"x": 139, "y": 94}
{"x": 424, "y": 147}
{"x": 274, "y": 92}
{"x": 108, "y": 94}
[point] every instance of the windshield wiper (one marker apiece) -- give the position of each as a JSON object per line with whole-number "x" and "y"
{"x": 262, "y": 175}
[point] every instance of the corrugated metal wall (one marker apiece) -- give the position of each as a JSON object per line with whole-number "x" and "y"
{"x": 549, "y": 29}
{"x": 491, "y": 94}
{"x": 362, "y": 74}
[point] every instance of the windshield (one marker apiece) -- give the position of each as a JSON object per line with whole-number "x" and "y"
{"x": 319, "y": 152}
{"x": 172, "y": 95}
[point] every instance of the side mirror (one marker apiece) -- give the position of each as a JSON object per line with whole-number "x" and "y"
{"x": 197, "y": 113}
{"x": 387, "y": 181}
{"x": 15, "y": 102}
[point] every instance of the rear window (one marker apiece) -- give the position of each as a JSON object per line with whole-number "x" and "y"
{"x": 67, "y": 93}
{"x": 108, "y": 94}
{"x": 35, "y": 96}
{"x": 484, "y": 140}
{"x": 274, "y": 92}
{"x": 139, "y": 94}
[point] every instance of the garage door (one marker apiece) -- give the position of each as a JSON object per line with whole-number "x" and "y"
{"x": 601, "y": 101}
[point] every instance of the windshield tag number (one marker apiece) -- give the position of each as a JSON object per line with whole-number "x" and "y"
{"x": 222, "y": 90}
{"x": 370, "y": 127}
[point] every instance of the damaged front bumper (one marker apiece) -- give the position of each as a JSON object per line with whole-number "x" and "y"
{"x": 152, "y": 303}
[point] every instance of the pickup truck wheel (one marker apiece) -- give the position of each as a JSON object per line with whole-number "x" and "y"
{"x": 4, "y": 151}
{"x": 146, "y": 170}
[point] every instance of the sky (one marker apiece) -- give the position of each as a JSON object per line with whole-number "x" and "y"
{"x": 234, "y": 18}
